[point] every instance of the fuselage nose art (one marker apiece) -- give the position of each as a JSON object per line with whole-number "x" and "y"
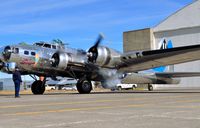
{"x": 36, "y": 59}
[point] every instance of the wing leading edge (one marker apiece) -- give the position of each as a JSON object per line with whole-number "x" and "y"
{"x": 143, "y": 60}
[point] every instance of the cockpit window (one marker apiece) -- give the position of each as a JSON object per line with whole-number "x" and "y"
{"x": 53, "y": 46}
{"x": 59, "y": 47}
{"x": 26, "y": 52}
{"x": 39, "y": 44}
{"x": 16, "y": 50}
{"x": 47, "y": 45}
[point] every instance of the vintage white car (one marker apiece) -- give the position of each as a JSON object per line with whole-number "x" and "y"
{"x": 126, "y": 86}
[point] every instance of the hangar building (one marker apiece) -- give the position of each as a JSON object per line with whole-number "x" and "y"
{"x": 181, "y": 28}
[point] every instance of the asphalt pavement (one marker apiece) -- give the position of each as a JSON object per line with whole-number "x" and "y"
{"x": 125, "y": 109}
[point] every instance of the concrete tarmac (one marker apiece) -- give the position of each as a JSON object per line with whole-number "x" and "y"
{"x": 127, "y": 109}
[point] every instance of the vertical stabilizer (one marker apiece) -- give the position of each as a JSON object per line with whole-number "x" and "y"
{"x": 165, "y": 44}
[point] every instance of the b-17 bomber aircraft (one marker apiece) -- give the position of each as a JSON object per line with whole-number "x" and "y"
{"x": 99, "y": 63}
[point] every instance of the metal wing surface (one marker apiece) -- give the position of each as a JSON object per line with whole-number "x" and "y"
{"x": 142, "y": 60}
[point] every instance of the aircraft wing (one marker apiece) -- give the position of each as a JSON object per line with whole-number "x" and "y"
{"x": 143, "y": 60}
{"x": 177, "y": 74}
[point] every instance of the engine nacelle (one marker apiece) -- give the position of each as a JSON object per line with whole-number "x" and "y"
{"x": 106, "y": 57}
{"x": 60, "y": 60}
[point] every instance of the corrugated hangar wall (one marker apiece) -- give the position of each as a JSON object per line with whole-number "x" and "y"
{"x": 138, "y": 40}
{"x": 181, "y": 28}
{"x": 183, "y": 37}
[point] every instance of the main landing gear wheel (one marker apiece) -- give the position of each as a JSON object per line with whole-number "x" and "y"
{"x": 84, "y": 86}
{"x": 38, "y": 87}
{"x": 150, "y": 87}
{"x": 119, "y": 88}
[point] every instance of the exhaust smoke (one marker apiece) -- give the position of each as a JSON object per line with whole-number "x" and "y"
{"x": 111, "y": 78}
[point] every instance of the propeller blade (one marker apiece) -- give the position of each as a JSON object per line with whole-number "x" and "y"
{"x": 1, "y": 64}
{"x": 93, "y": 51}
{"x": 99, "y": 39}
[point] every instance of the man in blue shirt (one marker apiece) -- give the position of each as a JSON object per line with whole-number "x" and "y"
{"x": 17, "y": 80}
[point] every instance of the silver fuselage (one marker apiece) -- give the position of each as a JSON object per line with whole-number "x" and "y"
{"x": 33, "y": 59}
{"x": 37, "y": 60}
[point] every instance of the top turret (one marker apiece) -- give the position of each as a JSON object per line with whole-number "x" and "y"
{"x": 56, "y": 44}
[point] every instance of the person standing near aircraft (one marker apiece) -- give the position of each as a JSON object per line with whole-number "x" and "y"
{"x": 17, "y": 80}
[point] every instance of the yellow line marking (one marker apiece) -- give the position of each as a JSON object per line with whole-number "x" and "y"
{"x": 87, "y": 102}
{"x": 96, "y": 108}
{"x": 73, "y": 109}
{"x": 68, "y": 103}
{"x": 190, "y": 106}
{"x": 102, "y": 107}
{"x": 179, "y": 106}
{"x": 183, "y": 101}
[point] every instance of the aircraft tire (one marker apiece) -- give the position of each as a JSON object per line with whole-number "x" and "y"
{"x": 84, "y": 86}
{"x": 38, "y": 87}
{"x": 150, "y": 87}
{"x": 119, "y": 88}
{"x": 133, "y": 88}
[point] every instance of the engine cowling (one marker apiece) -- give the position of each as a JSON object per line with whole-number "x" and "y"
{"x": 5, "y": 53}
{"x": 104, "y": 56}
{"x": 60, "y": 60}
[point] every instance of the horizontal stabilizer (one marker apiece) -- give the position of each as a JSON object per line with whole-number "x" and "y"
{"x": 177, "y": 74}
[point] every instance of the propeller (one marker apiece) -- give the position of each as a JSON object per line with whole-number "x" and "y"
{"x": 1, "y": 64}
{"x": 93, "y": 51}
{"x": 7, "y": 52}
{"x": 55, "y": 59}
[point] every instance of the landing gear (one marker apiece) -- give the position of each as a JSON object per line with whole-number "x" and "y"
{"x": 150, "y": 87}
{"x": 84, "y": 86}
{"x": 38, "y": 87}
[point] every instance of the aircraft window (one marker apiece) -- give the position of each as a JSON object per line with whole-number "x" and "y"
{"x": 26, "y": 52}
{"x": 39, "y": 44}
{"x": 47, "y": 45}
{"x": 33, "y": 53}
{"x": 53, "y": 46}
{"x": 16, "y": 50}
{"x": 59, "y": 47}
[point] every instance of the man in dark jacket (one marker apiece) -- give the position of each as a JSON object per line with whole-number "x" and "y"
{"x": 17, "y": 80}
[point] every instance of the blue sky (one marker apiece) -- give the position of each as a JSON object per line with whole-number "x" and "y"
{"x": 78, "y": 22}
